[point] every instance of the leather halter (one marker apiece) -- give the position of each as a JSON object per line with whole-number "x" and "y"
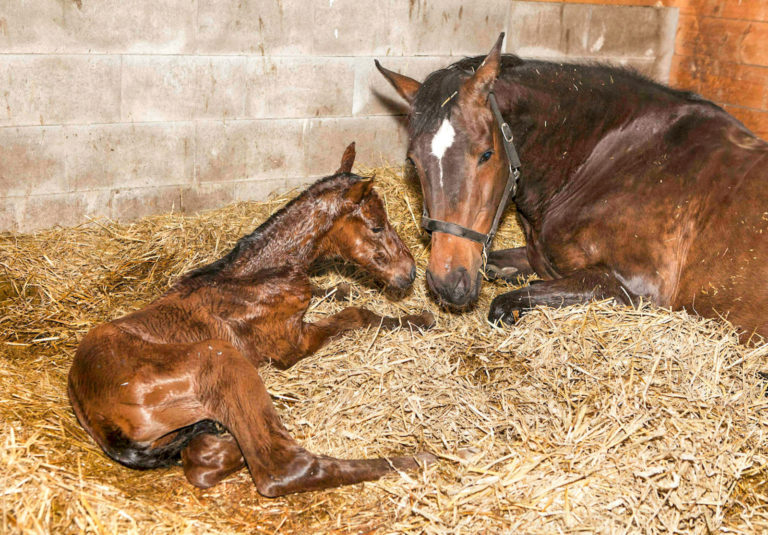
{"x": 446, "y": 227}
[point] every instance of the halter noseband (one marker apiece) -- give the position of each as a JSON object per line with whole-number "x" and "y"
{"x": 435, "y": 225}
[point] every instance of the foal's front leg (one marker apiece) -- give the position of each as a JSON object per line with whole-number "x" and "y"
{"x": 313, "y": 336}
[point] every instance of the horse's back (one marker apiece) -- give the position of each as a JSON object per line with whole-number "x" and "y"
{"x": 726, "y": 265}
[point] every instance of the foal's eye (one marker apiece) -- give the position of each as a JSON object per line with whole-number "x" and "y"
{"x": 409, "y": 161}
{"x": 377, "y": 230}
{"x": 486, "y": 156}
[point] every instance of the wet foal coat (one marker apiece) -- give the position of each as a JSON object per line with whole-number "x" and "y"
{"x": 163, "y": 383}
{"x": 628, "y": 188}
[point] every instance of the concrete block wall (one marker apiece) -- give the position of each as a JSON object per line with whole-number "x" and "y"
{"x": 124, "y": 108}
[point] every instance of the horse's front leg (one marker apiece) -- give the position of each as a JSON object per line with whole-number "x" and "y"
{"x": 313, "y": 336}
{"x": 510, "y": 265}
{"x": 579, "y": 287}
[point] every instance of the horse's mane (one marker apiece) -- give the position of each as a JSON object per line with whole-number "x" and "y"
{"x": 436, "y": 97}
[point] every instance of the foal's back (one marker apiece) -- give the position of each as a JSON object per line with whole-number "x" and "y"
{"x": 243, "y": 312}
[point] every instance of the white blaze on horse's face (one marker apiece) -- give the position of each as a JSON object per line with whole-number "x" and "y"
{"x": 441, "y": 142}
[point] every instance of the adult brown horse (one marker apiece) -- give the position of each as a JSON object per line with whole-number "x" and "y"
{"x": 159, "y": 384}
{"x": 627, "y": 188}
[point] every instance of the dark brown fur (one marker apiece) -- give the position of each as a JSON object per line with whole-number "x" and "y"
{"x": 164, "y": 383}
{"x": 629, "y": 189}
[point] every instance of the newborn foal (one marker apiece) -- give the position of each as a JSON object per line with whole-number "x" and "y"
{"x": 161, "y": 382}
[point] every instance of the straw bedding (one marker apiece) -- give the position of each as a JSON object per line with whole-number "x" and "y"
{"x": 593, "y": 418}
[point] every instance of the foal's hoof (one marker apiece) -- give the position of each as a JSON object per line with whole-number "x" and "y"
{"x": 342, "y": 291}
{"x": 425, "y": 320}
{"x": 412, "y": 462}
{"x": 424, "y": 458}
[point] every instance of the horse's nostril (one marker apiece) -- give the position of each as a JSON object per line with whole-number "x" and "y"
{"x": 462, "y": 282}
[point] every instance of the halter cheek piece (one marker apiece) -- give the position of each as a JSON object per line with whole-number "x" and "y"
{"x": 435, "y": 225}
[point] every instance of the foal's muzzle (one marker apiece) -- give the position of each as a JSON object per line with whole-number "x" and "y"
{"x": 402, "y": 282}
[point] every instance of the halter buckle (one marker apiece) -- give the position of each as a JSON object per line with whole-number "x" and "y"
{"x": 506, "y": 131}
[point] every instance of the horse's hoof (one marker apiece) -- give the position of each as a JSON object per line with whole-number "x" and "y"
{"x": 502, "y": 312}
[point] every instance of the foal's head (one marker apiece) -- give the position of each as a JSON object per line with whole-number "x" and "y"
{"x": 362, "y": 233}
{"x": 458, "y": 154}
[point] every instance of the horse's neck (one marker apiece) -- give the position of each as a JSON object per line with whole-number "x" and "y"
{"x": 555, "y": 138}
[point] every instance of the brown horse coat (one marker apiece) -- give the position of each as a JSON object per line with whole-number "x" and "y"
{"x": 628, "y": 188}
{"x": 165, "y": 382}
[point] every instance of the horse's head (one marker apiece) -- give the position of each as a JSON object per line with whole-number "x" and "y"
{"x": 363, "y": 234}
{"x": 459, "y": 156}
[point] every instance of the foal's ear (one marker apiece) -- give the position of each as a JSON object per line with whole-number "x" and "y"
{"x": 347, "y": 159}
{"x": 480, "y": 84}
{"x": 359, "y": 190}
{"x": 406, "y": 87}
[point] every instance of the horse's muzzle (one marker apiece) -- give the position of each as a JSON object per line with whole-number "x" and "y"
{"x": 456, "y": 289}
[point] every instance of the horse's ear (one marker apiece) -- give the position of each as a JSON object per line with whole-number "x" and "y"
{"x": 359, "y": 190}
{"x": 406, "y": 87}
{"x": 481, "y": 83}
{"x": 347, "y": 159}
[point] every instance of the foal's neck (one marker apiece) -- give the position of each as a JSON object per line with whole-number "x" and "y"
{"x": 292, "y": 236}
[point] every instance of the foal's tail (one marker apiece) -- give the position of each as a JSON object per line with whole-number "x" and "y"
{"x": 113, "y": 440}
{"x": 234, "y": 395}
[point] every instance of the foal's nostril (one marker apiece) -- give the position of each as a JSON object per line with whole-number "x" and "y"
{"x": 402, "y": 282}
{"x": 413, "y": 273}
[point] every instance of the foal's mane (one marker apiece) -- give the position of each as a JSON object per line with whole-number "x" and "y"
{"x": 437, "y": 95}
{"x": 290, "y": 214}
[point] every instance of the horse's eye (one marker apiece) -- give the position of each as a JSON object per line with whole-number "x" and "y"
{"x": 376, "y": 230}
{"x": 409, "y": 161}
{"x": 486, "y": 156}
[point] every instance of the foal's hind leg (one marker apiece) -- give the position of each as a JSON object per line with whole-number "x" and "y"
{"x": 208, "y": 459}
{"x": 316, "y": 335}
{"x": 510, "y": 265}
{"x": 233, "y": 394}
{"x": 579, "y": 287}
